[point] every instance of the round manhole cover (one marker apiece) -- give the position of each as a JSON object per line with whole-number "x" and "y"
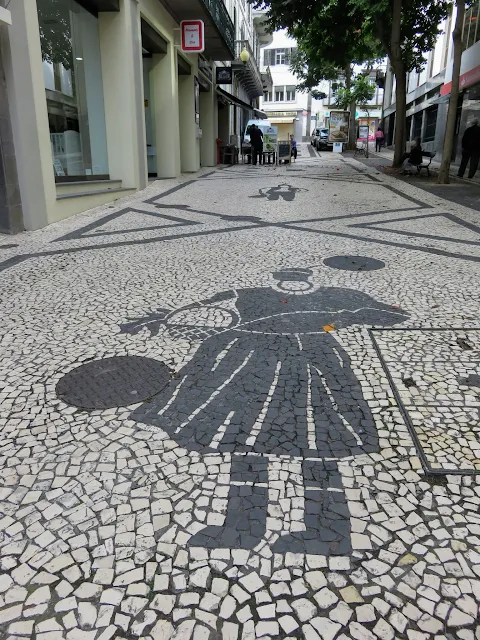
{"x": 113, "y": 382}
{"x": 354, "y": 263}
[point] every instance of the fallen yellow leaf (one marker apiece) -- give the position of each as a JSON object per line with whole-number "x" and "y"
{"x": 329, "y": 327}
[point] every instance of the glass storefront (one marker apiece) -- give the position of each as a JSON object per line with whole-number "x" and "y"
{"x": 74, "y": 90}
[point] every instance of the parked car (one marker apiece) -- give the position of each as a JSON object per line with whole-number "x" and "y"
{"x": 322, "y": 141}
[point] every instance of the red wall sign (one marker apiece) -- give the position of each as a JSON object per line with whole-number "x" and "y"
{"x": 193, "y": 36}
{"x": 466, "y": 79}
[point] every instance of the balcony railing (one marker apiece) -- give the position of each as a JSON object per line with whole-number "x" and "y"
{"x": 222, "y": 20}
{"x": 248, "y": 73}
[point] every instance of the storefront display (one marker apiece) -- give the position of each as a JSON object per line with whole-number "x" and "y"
{"x": 74, "y": 89}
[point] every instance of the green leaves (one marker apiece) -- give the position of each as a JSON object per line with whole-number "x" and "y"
{"x": 335, "y": 33}
{"x": 360, "y": 93}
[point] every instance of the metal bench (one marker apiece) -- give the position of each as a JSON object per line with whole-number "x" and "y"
{"x": 426, "y": 165}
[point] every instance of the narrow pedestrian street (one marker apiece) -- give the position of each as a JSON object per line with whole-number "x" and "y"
{"x": 244, "y": 404}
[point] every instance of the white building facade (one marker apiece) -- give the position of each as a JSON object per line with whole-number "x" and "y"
{"x": 292, "y": 111}
{"x": 428, "y": 92}
{"x": 98, "y": 99}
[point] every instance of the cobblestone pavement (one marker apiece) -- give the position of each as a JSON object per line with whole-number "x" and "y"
{"x": 244, "y": 405}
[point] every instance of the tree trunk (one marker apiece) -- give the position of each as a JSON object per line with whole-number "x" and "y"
{"x": 444, "y": 173}
{"x": 353, "y": 109}
{"x": 401, "y": 80}
{"x": 400, "y": 112}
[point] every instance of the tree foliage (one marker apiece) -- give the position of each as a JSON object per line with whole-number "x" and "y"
{"x": 355, "y": 31}
{"x": 359, "y": 93}
{"x": 328, "y": 38}
{"x": 404, "y": 30}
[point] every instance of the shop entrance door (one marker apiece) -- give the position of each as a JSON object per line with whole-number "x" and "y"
{"x": 149, "y": 119}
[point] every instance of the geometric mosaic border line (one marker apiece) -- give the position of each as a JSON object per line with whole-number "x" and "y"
{"x": 406, "y": 416}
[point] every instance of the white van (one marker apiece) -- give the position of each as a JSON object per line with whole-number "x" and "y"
{"x": 261, "y": 124}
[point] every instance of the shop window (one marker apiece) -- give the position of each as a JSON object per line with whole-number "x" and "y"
{"x": 417, "y": 125}
{"x": 279, "y": 94}
{"x": 408, "y": 128}
{"x": 290, "y": 93}
{"x": 74, "y": 90}
{"x": 430, "y": 124}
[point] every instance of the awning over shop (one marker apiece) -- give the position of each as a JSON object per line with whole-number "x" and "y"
{"x": 281, "y": 120}
{"x": 261, "y": 115}
{"x": 234, "y": 100}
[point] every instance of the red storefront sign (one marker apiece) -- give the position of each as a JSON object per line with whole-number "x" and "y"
{"x": 193, "y": 36}
{"x": 466, "y": 79}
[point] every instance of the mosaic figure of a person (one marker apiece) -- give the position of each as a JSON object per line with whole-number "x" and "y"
{"x": 271, "y": 380}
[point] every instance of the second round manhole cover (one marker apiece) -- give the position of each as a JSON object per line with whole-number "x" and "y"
{"x": 354, "y": 263}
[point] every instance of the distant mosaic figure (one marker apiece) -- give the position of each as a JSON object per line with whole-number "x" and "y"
{"x": 285, "y": 191}
{"x": 270, "y": 378}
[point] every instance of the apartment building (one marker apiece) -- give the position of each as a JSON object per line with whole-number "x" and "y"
{"x": 428, "y": 92}
{"x": 99, "y": 98}
{"x": 287, "y": 108}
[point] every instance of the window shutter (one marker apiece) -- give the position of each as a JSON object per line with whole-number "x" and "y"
{"x": 269, "y": 57}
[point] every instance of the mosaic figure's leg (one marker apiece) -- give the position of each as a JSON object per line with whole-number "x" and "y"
{"x": 327, "y": 519}
{"x": 245, "y": 521}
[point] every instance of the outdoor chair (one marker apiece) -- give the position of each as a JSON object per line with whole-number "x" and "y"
{"x": 360, "y": 148}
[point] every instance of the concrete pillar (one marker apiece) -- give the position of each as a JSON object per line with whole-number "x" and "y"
{"x": 209, "y": 127}
{"x": 11, "y": 218}
{"x": 189, "y": 144}
{"x": 164, "y": 93}
{"x": 122, "y": 74}
{"x": 22, "y": 58}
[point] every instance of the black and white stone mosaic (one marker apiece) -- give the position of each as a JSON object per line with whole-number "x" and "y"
{"x": 435, "y": 374}
{"x": 209, "y": 431}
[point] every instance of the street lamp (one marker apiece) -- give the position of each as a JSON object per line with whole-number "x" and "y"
{"x": 244, "y": 56}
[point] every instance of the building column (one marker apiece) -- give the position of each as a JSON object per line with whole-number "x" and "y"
{"x": 164, "y": 93}
{"x": 11, "y": 218}
{"x": 122, "y": 74}
{"x": 189, "y": 144}
{"x": 22, "y": 58}
{"x": 209, "y": 127}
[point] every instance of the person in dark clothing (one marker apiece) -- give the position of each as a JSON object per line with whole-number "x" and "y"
{"x": 413, "y": 159}
{"x": 256, "y": 140}
{"x": 470, "y": 150}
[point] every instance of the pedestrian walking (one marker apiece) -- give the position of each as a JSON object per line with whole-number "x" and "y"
{"x": 413, "y": 159}
{"x": 256, "y": 140}
{"x": 470, "y": 149}
{"x": 293, "y": 143}
{"x": 379, "y": 139}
